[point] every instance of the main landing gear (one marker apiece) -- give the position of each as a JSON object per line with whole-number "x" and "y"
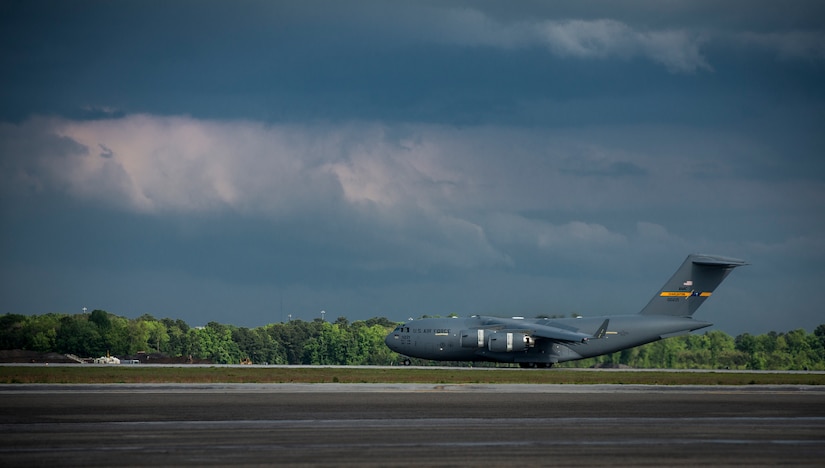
{"x": 535, "y": 365}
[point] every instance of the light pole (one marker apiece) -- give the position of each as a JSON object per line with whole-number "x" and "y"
{"x": 322, "y": 315}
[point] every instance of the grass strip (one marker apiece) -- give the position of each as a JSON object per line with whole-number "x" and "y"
{"x": 221, "y": 374}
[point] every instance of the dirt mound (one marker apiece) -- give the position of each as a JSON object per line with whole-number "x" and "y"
{"x": 158, "y": 358}
{"x": 24, "y": 356}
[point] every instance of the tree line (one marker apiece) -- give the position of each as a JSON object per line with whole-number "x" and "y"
{"x": 362, "y": 343}
{"x": 794, "y": 350}
{"x": 296, "y": 342}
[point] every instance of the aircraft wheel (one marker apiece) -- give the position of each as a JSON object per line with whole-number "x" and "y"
{"x": 535, "y": 365}
{"x": 406, "y": 362}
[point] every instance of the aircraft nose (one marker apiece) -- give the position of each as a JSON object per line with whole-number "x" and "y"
{"x": 391, "y": 340}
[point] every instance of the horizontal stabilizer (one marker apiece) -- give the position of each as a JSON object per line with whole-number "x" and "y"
{"x": 710, "y": 260}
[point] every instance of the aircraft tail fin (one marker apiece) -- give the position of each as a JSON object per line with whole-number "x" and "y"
{"x": 602, "y": 331}
{"x": 692, "y": 283}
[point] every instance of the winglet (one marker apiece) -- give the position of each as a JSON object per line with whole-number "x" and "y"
{"x": 602, "y": 331}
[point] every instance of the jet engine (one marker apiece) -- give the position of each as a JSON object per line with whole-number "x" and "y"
{"x": 506, "y": 342}
{"x": 474, "y": 338}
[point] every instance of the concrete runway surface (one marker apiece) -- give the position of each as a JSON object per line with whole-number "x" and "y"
{"x": 409, "y": 425}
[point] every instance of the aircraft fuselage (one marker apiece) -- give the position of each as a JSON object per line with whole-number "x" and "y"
{"x": 457, "y": 339}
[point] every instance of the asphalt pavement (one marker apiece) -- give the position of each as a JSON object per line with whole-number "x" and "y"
{"x": 409, "y": 425}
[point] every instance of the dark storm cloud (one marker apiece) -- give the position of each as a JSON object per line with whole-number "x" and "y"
{"x": 288, "y": 61}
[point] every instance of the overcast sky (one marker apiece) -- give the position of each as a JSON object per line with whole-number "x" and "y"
{"x": 243, "y": 161}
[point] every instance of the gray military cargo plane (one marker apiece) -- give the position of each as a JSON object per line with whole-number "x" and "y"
{"x": 542, "y": 342}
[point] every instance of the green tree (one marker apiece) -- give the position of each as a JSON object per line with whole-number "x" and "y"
{"x": 797, "y": 349}
{"x": 370, "y": 345}
{"x": 12, "y": 331}
{"x": 77, "y": 335}
{"x": 101, "y": 319}
{"x": 41, "y": 332}
{"x": 819, "y": 333}
{"x": 214, "y": 342}
{"x": 327, "y": 346}
{"x": 177, "y": 330}
{"x": 719, "y": 344}
{"x": 381, "y": 321}
{"x": 293, "y": 336}
{"x": 255, "y": 344}
{"x": 157, "y": 337}
{"x": 113, "y": 331}
{"x": 138, "y": 334}
{"x": 117, "y": 339}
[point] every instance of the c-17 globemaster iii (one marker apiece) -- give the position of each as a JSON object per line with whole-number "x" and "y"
{"x": 542, "y": 342}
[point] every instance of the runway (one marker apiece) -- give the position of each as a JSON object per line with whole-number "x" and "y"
{"x": 406, "y": 425}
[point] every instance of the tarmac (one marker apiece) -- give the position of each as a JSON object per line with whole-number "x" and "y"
{"x": 410, "y": 425}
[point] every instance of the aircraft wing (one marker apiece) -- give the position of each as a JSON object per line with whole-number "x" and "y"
{"x": 538, "y": 330}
